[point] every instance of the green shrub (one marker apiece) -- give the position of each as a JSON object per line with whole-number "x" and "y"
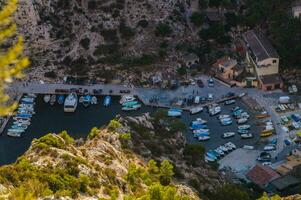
{"x": 163, "y": 30}
{"x": 85, "y": 43}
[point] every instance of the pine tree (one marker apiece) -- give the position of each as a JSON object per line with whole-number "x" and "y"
{"x": 12, "y": 60}
{"x": 166, "y": 172}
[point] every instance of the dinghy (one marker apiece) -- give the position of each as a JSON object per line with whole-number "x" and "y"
{"x": 46, "y": 98}
{"x": 52, "y": 99}
{"x": 228, "y": 134}
{"x": 196, "y": 110}
{"x": 244, "y": 127}
{"x": 107, "y": 101}
{"x": 246, "y": 136}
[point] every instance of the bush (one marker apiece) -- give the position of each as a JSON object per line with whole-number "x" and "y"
{"x": 143, "y": 23}
{"x": 163, "y": 30}
{"x": 114, "y": 125}
{"x": 197, "y": 19}
{"x": 126, "y": 31}
{"x": 50, "y": 74}
{"x": 85, "y": 43}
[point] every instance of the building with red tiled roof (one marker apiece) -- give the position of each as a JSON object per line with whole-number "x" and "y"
{"x": 262, "y": 175}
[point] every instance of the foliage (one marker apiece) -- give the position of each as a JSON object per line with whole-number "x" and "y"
{"x": 144, "y": 59}
{"x": 93, "y": 133}
{"x": 163, "y": 30}
{"x": 85, "y": 43}
{"x": 230, "y": 192}
{"x": 12, "y": 61}
{"x": 126, "y": 31}
{"x": 114, "y": 125}
{"x": 50, "y": 74}
{"x": 125, "y": 136}
{"x": 203, "y": 3}
{"x": 197, "y": 19}
{"x": 214, "y": 32}
{"x": 194, "y": 153}
{"x": 143, "y": 23}
{"x": 266, "y": 197}
{"x": 166, "y": 172}
{"x": 182, "y": 70}
{"x": 68, "y": 139}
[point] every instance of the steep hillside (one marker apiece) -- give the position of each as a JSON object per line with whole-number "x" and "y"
{"x": 99, "y": 168}
{"x": 83, "y": 37}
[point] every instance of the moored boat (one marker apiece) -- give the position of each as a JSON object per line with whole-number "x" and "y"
{"x": 94, "y": 100}
{"x": 220, "y": 117}
{"x": 201, "y": 131}
{"x": 16, "y": 130}
{"x": 174, "y": 112}
{"x": 230, "y": 102}
{"x": 46, "y": 98}
{"x": 13, "y": 134}
{"x": 107, "y": 101}
{"x": 127, "y": 98}
{"x": 60, "y": 99}
{"x": 266, "y": 134}
{"x": 198, "y": 126}
{"x": 244, "y": 127}
{"x": 52, "y": 99}
{"x": 130, "y": 103}
{"x": 242, "y": 131}
{"x": 262, "y": 116}
{"x": 87, "y": 100}
{"x": 199, "y": 121}
{"x": 196, "y": 110}
{"x": 242, "y": 120}
{"x": 70, "y": 103}
{"x": 130, "y": 108}
{"x": 228, "y": 134}
{"x": 246, "y": 136}
{"x": 269, "y": 148}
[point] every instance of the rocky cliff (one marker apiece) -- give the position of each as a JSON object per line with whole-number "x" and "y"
{"x": 84, "y": 36}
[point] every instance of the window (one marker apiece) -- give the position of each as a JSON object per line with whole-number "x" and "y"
{"x": 274, "y": 61}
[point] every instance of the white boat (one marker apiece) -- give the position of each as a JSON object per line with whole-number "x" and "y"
{"x": 199, "y": 121}
{"x": 229, "y": 102}
{"x": 70, "y": 103}
{"x": 228, "y": 134}
{"x": 269, "y": 148}
{"x": 52, "y": 99}
{"x": 201, "y": 131}
{"x": 209, "y": 159}
{"x": 22, "y": 122}
{"x": 196, "y": 110}
{"x": 16, "y": 130}
{"x": 31, "y": 95}
{"x": 223, "y": 116}
{"x": 224, "y": 149}
{"x": 219, "y": 151}
{"x": 248, "y": 147}
{"x": 94, "y": 100}
{"x": 13, "y": 134}
{"x": 127, "y": 98}
{"x": 215, "y": 111}
{"x": 244, "y": 127}
{"x": 46, "y": 98}
{"x": 231, "y": 145}
{"x": 242, "y": 120}
{"x": 246, "y": 136}
{"x": 81, "y": 99}
{"x": 203, "y": 138}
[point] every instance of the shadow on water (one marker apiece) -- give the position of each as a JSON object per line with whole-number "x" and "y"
{"x": 52, "y": 119}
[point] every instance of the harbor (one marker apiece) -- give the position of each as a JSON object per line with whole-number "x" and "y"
{"x": 54, "y": 119}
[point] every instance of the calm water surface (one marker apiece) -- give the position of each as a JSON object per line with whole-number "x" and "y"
{"x": 52, "y": 119}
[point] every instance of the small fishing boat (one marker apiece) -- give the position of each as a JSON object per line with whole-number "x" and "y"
{"x": 13, "y": 134}
{"x": 27, "y": 100}
{"x": 198, "y": 126}
{"x": 196, "y": 110}
{"x": 174, "y": 112}
{"x": 242, "y": 120}
{"x": 199, "y": 121}
{"x": 219, "y": 151}
{"x": 242, "y": 131}
{"x": 211, "y": 155}
{"x": 269, "y": 148}
{"x": 203, "y": 138}
{"x": 215, "y": 111}
{"x": 107, "y": 101}
{"x": 52, "y": 99}
{"x": 229, "y": 147}
{"x": 196, "y": 135}
{"x": 208, "y": 159}
{"x": 70, "y": 103}
{"x": 244, "y": 127}
{"x": 130, "y": 103}
{"x": 216, "y": 154}
{"x": 248, "y": 147}
{"x": 228, "y": 134}
{"x": 23, "y": 127}
{"x": 246, "y": 136}
{"x": 226, "y": 121}
{"x": 127, "y": 98}
{"x": 16, "y": 130}
{"x": 94, "y": 100}
{"x": 233, "y": 146}
{"x": 130, "y": 108}
{"x": 220, "y": 117}
{"x": 266, "y": 134}
{"x": 224, "y": 149}
{"x": 61, "y": 99}
{"x": 81, "y": 99}
{"x": 87, "y": 100}
{"x": 268, "y": 130}
{"x": 22, "y": 118}
{"x": 46, "y": 98}
{"x": 24, "y": 115}
{"x": 201, "y": 131}
{"x": 230, "y": 102}
{"x": 19, "y": 122}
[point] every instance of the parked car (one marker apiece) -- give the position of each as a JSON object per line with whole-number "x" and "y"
{"x": 230, "y": 94}
{"x": 211, "y": 82}
{"x": 210, "y": 97}
{"x": 264, "y": 157}
{"x": 200, "y": 83}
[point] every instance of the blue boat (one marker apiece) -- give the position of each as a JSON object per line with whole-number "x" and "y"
{"x": 200, "y": 134}
{"x": 28, "y": 103}
{"x": 174, "y": 112}
{"x": 24, "y": 115}
{"x": 107, "y": 101}
{"x": 242, "y": 131}
{"x": 198, "y": 126}
{"x": 226, "y": 122}
{"x": 87, "y": 100}
{"x": 214, "y": 153}
{"x": 61, "y": 99}
{"x": 211, "y": 155}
